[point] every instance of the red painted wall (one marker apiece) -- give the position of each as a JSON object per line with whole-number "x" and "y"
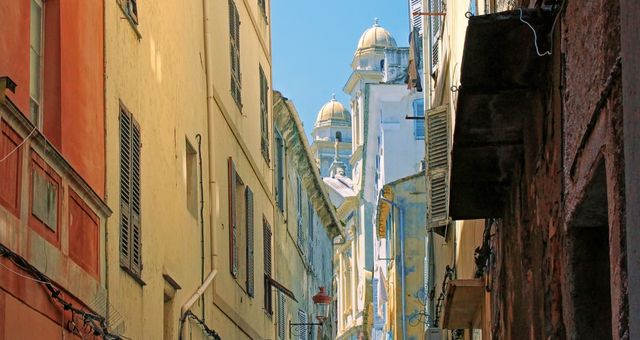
{"x": 83, "y": 235}
{"x": 73, "y": 94}
{"x": 14, "y": 49}
{"x": 82, "y": 87}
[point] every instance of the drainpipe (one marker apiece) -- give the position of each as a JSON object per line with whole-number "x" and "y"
{"x": 210, "y": 104}
{"x": 429, "y": 283}
{"x": 187, "y": 305}
{"x": 402, "y": 269}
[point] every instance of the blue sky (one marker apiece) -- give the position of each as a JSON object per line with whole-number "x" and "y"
{"x": 314, "y": 42}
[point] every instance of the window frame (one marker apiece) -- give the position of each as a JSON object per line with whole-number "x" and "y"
{"x": 37, "y": 120}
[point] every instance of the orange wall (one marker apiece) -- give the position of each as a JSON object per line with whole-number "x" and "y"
{"x": 14, "y": 48}
{"x": 73, "y": 94}
{"x": 82, "y": 87}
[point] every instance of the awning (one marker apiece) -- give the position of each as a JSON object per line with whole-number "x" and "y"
{"x": 281, "y": 288}
{"x": 463, "y": 304}
{"x": 503, "y": 84}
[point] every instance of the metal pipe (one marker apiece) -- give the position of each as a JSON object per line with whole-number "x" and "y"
{"x": 187, "y": 305}
{"x": 402, "y": 269}
{"x": 199, "y": 139}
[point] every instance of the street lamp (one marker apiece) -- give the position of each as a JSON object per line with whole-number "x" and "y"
{"x": 322, "y": 302}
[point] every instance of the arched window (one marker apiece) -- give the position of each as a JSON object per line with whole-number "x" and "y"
{"x": 382, "y": 65}
{"x": 339, "y": 136}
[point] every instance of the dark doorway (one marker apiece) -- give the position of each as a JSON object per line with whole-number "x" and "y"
{"x": 588, "y": 246}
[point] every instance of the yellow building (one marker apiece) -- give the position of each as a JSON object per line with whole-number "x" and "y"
{"x": 451, "y": 245}
{"x": 305, "y": 229}
{"x": 188, "y": 167}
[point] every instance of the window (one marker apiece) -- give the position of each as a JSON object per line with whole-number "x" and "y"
{"x": 310, "y": 212}
{"x": 438, "y": 167}
{"x": 339, "y": 136}
{"x": 281, "y": 316}
{"x": 35, "y": 61}
{"x": 234, "y": 38}
{"x": 279, "y": 171}
{"x": 130, "y": 224}
{"x": 418, "y": 122}
{"x": 416, "y": 19}
{"x": 266, "y": 255}
{"x": 264, "y": 115}
{"x": 240, "y": 230}
{"x": 435, "y": 23}
{"x": 191, "y": 178}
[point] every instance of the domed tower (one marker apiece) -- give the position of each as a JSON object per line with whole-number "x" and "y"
{"x": 332, "y": 138}
{"x": 370, "y": 52}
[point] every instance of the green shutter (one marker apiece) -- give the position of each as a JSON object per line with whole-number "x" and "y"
{"x": 281, "y": 316}
{"x": 438, "y": 150}
{"x": 250, "y": 228}
{"x": 266, "y": 256}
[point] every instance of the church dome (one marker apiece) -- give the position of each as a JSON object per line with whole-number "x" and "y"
{"x": 333, "y": 111}
{"x": 376, "y": 37}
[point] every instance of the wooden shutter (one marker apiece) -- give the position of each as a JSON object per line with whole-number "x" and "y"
{"x": 279, "y": 147}
{"x": 125, "y": 189}
{"x": 418, "y": 124}
{"x": 266, "y": 256}
{"x": 250, "y": 228}
{"x": 233, "y": 226}
{"x": 264, "y": 115}
{"x": 438, "y": 150}
{"x": 136, "y": 244}
{"x": 234, "y": 38}
{"x": 281, "y": 316}
{"x": 130, "y": 199}
{"x": 435, "y": 22}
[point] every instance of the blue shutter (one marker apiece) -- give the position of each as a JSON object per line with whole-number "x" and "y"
{"x": 418, "y": 124}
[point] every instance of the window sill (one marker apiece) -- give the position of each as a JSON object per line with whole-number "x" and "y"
{"x": 132, "y": 22}
{"x": 137, "y": 278}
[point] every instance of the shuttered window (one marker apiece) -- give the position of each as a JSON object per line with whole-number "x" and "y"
{"x": 234, "y": 38}
{"x": 130, "y": 224}
{"x": 266, "y": 255}
{"x": 302, "y": 329}
{"x": 299, "y": 211}
{"x": 263, "y": 7}
{"x": 264, "y": 115}
{"x": 416, "y": 19}
{"x": 250, "y": 228}
{"x": 418, "y": 123}
{"x": 279, "y": 170}
{"x": 435, "y": 23}
{"x": 438, "y": 150}
{"x": 281, "y": 316}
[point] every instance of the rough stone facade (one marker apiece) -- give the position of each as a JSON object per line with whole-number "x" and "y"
{"x": 561, "y": 245}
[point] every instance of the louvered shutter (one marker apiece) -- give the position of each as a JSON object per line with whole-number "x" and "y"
{"x": 233, "y": 226}
{"x": 266, "y": 255}
{"x": 438, "y": 150}
{"x": 302, "y": 330}
{"x": 416, "y": 20}
{"x": 125, "y": 189}
{"x": 435, "y": 21}
{"x": 234, "y": 38}
{"x": 250, "y": 228}
{"x": 281, "y": 316}
{"x": 264, "y": 115}
{"x": 136, "y": 237}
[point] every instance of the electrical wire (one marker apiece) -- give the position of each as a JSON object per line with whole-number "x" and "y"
{"x": 18, "y": 146}
{"x": 96, "y": 323}
{"x": 535, "y": 37}
{"x": 21, "y": 275}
